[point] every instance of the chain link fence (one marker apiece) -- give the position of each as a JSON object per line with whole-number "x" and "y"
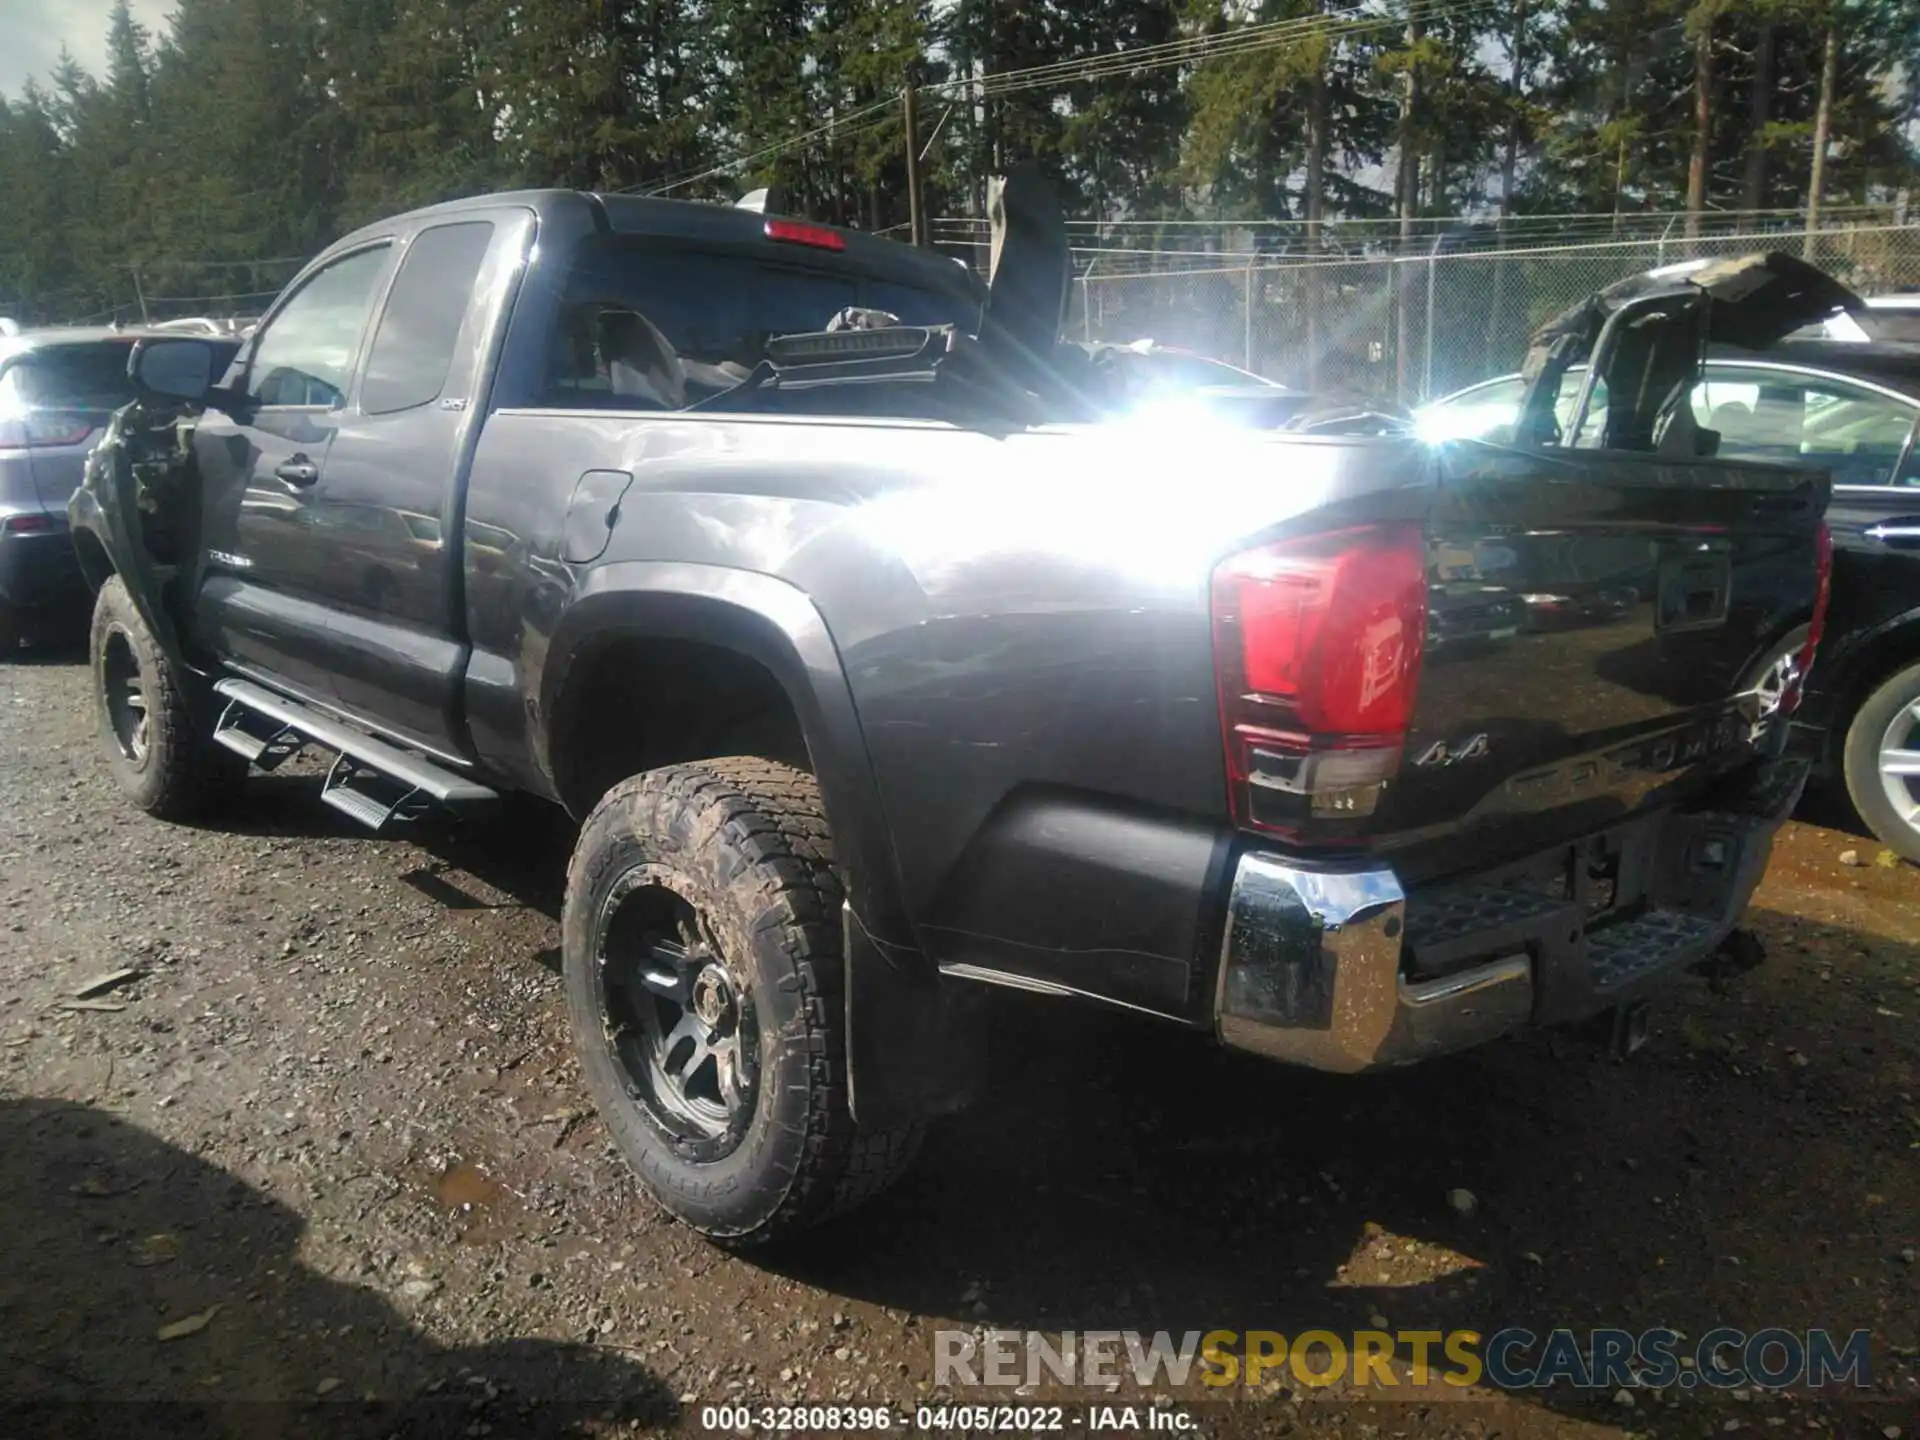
{"x": 1411, "y": 327}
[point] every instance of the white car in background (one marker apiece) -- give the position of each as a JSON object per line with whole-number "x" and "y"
{"x": 1890, "y": 318}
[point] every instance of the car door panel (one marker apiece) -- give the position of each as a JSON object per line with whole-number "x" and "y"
{"x": 390, "y": 496}
{"x": 262, "y": 600}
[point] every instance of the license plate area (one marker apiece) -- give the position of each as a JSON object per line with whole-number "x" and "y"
{"x": 1553, "y": 896}
{"x": 1695, "y": 586}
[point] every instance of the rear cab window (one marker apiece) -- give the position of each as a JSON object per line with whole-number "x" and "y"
{"x": 649, "y": 324}
{"x": 413, "y": 345}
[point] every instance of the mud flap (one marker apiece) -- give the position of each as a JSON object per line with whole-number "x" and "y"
{"x": 916, "y": 1045}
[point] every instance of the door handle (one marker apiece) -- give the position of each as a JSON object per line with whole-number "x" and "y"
{"x": 297, "y": 471}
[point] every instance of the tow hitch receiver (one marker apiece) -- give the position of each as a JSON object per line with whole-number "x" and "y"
{"x": 1620, "y": 1031}
{"x": 1739, "y": 953}
{"x": 1630, "y": 1028}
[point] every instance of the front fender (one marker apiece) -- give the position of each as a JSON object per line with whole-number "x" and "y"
{"x": 106, "y": 507}
{"x": 909, "y": 1050}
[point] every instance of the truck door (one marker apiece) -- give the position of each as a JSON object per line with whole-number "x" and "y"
{"x": 389, "y": 503}
{"x": 333, "y": 562}
{"x": 260, "y": 602}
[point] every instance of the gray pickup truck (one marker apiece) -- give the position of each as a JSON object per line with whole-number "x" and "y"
{"x": 882, "y": 660}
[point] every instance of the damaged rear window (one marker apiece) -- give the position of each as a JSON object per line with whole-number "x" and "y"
{"x": 74, "y": 377}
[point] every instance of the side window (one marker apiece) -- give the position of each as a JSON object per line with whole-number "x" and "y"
{"x": 413, "y": 346}
{"x": 1473, "y": 414}
{"x": 1595, "y": 425}
{"x": 1783, "y": 418}
{"x": 305, "y": 354}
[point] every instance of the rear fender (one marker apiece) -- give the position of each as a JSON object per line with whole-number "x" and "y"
{"x": 908, "y": 1051}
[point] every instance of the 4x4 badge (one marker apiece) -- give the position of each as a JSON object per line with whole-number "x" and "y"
{"x": 1442, "y": 752}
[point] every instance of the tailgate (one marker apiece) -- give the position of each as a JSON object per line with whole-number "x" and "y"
{"x": 1592, "y": 619}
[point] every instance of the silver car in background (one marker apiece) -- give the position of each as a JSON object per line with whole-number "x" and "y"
{"x": 58, "y": 389}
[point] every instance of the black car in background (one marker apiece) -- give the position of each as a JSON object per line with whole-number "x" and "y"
{"x": 1854, "y": 409}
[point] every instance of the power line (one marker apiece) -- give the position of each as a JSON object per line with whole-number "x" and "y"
{"x": 226, "y": 264}
{"x": 778, "y": 147}
{"x": 1238, "y": 40}
{"x": 198, "y": 299}
{"x": 1636, "y": 217}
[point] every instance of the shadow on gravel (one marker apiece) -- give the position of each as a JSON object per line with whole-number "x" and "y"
{"x": 1827, "y": 805}
{"x": 108, "y": 1234}
{"x": 521, "y": 851}
{"x": 63, "y": 649}
{"x": 1118, "y": 1177}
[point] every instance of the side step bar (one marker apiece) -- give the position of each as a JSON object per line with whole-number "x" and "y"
{"x": 373, "y": 781}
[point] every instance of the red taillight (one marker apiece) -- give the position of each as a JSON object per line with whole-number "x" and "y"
{"x": 796, "y": 232}
{"x": 1823, "y": 592}
{"x": 28, "y": 524}
{"x": 44, "y": 430}
{"x": 1317, "y": 651}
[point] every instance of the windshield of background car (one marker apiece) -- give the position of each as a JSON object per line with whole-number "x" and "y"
{"x": 72, "y": 377}
{"x": 1488, "y": 411}
{"x": 715, "y": 309}
{"x": 1197, "y": 370}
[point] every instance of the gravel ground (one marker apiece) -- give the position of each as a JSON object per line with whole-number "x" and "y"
{"x": 334, "y": 1133}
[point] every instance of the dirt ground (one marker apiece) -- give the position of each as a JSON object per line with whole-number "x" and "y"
{"x": 334, "y": 1133}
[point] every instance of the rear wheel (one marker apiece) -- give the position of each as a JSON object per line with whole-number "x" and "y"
{"x": 160, "y": 760}
{"x": 1882, "y": 762}
{"x": 10, "y": 629}
{"x": 702, "y": 956}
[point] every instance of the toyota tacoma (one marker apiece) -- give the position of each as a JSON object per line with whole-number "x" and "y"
{"x": 883, "y": 658}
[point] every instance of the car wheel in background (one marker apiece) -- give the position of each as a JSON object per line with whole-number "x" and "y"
{"x": 1772, "y": 675}
{"x": 1882, "y": 762}
{"x": 701, "y": 950}
{"x": 158, "y": 757}
{"x": 9, "y": 630}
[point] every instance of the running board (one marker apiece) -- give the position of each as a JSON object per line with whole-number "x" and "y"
{"x": 376, "y": 783}
{"x": 265, "y": 743}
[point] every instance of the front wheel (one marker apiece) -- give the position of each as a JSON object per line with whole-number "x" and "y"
{"x": 1882, "y": 762}
{"x": 158, "y": 756}
{"x": 701, "y": 947}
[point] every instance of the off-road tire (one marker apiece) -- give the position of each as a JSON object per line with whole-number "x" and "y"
{"x": 1860, "y": 758}
{"x": 746, "y": 842}
{"x": 11, "y": 630}
{"x": 182, "y": 775}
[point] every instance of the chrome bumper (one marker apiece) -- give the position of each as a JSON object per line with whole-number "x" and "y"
{"x": 1328, "y": 968}
{"x": 1310, "y": 974}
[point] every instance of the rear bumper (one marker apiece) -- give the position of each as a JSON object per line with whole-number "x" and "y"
{"x": 1342, "y": 969}
{"x": 40, "y": 569}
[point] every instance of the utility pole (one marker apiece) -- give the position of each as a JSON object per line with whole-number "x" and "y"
{"x": 1408, "y": 187}
{"x": 916, "y": 208}
{"x": 1822, "y": 130}
{"x": 1700, "y": 156}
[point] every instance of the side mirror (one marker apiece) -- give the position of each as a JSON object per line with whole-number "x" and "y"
{"x": 174, "y": 368}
